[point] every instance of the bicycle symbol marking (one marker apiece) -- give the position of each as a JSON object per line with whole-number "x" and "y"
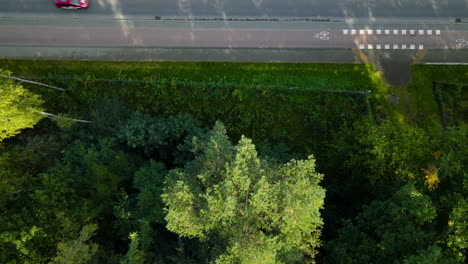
{"x": 461, "y": 43}
{"x": 324, "y": 35}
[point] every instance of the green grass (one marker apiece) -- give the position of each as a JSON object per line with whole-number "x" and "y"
{"x": 422, "y": 99}
{"x": 329, "y": 76}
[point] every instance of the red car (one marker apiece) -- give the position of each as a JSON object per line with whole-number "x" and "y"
{"x": 71, "y": 4}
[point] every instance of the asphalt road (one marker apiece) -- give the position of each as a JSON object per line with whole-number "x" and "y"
{"x": 421, "y": 10}
{"x": 234, "y": 35}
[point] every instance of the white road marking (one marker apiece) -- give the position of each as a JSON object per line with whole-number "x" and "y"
{"x": 345, "y": 31}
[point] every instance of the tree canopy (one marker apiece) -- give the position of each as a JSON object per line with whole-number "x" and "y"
{"x": 18, "y": 107}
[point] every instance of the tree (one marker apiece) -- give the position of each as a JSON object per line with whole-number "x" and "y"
{"x": 394, "y": 151}
{"x": 388, "y": 231}
{"x": 169, "y": 138}
{"x": 250, "y": 210}
{"x": 18, "y": 108}
{"x": 78, "y": 251}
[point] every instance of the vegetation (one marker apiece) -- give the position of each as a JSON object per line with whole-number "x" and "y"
{"x": 232, "y": 163}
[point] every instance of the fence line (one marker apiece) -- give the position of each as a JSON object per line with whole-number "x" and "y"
{"x": 32, "y": 82}
{"x": 67, "y": 118}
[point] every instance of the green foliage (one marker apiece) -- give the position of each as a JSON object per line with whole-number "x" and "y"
{"x": 396, "y": 151}
{"x": 149, "y": 181}
{"x": 432, "y": 254}
{"x": 134, "y": 255}
{"x": 386, "y": 231}
{"x": 17, "y": 108}
{"x": 260, "y": 212}
{"x": 458, "y": 228}
{"x": 80, "y": 250}
{"x": 164, "y": 136}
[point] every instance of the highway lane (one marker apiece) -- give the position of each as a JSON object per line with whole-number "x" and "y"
{"x": 337, "y": 36}
{"x": 420, "y": 10}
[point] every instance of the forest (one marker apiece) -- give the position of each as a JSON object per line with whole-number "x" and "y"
{"x": 231, "y": 163}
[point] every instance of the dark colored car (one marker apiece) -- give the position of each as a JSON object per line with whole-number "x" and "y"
{"x": 71, "y": 4}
